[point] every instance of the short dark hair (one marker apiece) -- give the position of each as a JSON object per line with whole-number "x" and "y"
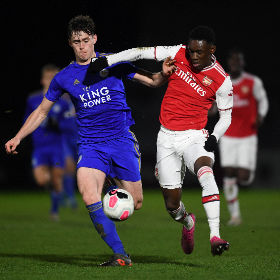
{"x": 234, "y": 50}
{"x": 81, "y": 23}
{"x": 49, "y": 67}
{"x": 203, "y": 33}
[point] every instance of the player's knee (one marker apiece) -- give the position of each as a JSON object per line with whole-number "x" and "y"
{"x": 138, "y": 202}
{"x": 246, "y": 179}
{"x": 89, "y": 197}
{"x": 171, "y": 204}
{"x": 137, "y": 206}
{"x": 172, "y": 197}
{"x": 42, "y": 181}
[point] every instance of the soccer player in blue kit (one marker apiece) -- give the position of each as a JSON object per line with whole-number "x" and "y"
{"x": 106, "y": 145}
{"x": 70, "y": 138}
{"x": 48, "y": 162}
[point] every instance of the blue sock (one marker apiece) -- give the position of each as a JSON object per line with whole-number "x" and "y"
{"x": 69, "y": 187}
{"x": 105, "y": 227}
{"x": 55, "y": 201}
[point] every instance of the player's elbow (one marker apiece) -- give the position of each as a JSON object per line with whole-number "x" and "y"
{"x": 154, "y": 85}
{"x": 42, "y": 113}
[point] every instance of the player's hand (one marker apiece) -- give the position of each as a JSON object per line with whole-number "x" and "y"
{"x": 259, "y": 120}
{"x": 97, "y": 64}
{"x": 11, "y": 146}
{"x": 211, "y": 144}
{"x": 168, "y": 67}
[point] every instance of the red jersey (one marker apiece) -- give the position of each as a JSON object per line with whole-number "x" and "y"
{"x": 245, "y": 107}
{"x": 190, "y": 93}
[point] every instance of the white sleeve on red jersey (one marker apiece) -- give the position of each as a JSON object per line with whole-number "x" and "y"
{"x": 224, "y": 99}
{"x": 260, "y": 95}
{"x": 161, "y": 52}
{"x": 157, "y": 53}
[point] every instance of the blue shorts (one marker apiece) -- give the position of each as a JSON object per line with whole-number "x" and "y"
{"x": 51, "y": 156}
{"x": 118, "y": 157}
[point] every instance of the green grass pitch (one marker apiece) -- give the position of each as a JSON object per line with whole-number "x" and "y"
{"x": 33, "y": 247}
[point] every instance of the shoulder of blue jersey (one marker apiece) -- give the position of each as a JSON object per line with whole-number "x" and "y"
{"x": 67, "y": 68}
{"x": 71, "y": 63}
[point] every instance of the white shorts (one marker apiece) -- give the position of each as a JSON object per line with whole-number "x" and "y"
{"x": 239, "y": 152}
{"x": 175, "y": 151}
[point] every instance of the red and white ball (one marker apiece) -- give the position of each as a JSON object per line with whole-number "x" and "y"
{"x": 118, "y": 205}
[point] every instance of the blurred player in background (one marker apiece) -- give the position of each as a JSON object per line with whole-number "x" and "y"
{"x": 182, "y": 140}
{"x": 238, "y": 146}
{"x": 48, "y": 160}
{"x": 70, "y": 148}
{"x": 106, "y": 145}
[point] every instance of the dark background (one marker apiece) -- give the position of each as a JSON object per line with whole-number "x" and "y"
{"x": 35, "y": 33}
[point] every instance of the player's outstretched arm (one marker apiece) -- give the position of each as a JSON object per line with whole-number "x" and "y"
{"x": 97, "y": 64}
{"x": 32, "y": 122}
{"x": 158, "y": 53}
{"x": 156, "y": 79}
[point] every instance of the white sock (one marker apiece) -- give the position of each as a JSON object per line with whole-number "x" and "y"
{"x": 231, "y": 194}
{"x": 210, "y": 199}
{"x": 180, "y": 215}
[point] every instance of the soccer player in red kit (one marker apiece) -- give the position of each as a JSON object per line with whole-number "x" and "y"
{"x": 182, "y": 140}
{"x": 238, "y": 146}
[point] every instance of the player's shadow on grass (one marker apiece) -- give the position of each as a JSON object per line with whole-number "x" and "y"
{"x": 94, "y": 260}
{"x": 160, "y": 260}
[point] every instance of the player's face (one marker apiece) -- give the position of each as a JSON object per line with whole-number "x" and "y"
{"x": 236, "y": 63}
{"x": 83, "y": 46}
{"x": 200, "y": 53}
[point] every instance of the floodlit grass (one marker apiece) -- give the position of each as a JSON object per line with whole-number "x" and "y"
{"x": 33, "y": 247}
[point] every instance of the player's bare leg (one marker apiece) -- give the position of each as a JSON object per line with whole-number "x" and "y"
{"x": 134, "y": 188}
{"x": 245, "y": 176}
{"x": 90, "y": 184}
{"x": 177, "y": 211}
{"x": 46, "y": 177}
{"x": 57, "y": 176}
{"x": 42, "y": 175}
{"x": 211, "y": 202}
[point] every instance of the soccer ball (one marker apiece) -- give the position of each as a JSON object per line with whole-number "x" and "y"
{"x": 118, "y": 204}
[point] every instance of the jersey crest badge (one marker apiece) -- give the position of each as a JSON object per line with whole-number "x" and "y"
{"x": 76, "y": 82}
{"x": 245, "y": 89}
{"x": 104, "y": 73}
{"x": 207, "y": 81}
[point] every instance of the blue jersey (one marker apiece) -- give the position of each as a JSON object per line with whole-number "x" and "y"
{"x": 50, "y": 131}
{"x": 99, "y": 100}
